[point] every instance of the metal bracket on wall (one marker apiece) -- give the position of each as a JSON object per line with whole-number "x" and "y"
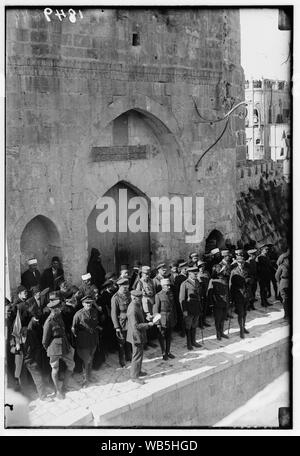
{"x": 226, "y": 117}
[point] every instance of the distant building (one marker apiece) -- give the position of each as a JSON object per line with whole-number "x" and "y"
{"x": 268, "y": 119}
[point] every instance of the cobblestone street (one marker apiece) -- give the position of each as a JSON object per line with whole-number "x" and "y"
{"x": 113, "y": 389}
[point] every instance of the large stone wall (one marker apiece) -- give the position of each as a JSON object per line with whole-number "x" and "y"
{"x": 66, "y": 85}
{"x": 263, "y": 202}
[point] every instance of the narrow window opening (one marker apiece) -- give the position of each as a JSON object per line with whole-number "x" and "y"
{"x": 135, "y": 39}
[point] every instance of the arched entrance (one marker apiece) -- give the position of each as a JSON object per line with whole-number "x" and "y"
{"x": 214, "y": 240}
{"x": 120, "y": 247}
{"x": 40, "y": 239}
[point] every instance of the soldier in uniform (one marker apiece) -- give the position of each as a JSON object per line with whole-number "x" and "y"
{"x": 203, "y": 277}
{"x": 85, "y": 329}
{"x": 119, "y": 305}
{"x": 31, "y": 277}
{"x": 190, "y": 301}
{"x": 215, "y": 258}
{"x": 56, "y": 343}
{"x": 282, "y": 277}
{"x": 136, "y": 335}
{"x": 174, "y": 272}
{"x": 165, "y": 305}
{"x": 226, "y": 264}
{"x": 264, "y": 272}
{"x": 218, "y": 297}
{"x": 109, "y": 335}
{"x": 182, "y": 276}
{"x": 194, "y": 257}
{"x": 86, "y": 289}
{"x": 136, "y": 275}
{"x": 161, "y": 274}
{"x": 124, "y": 272}
{"x": 147, "y": 287}
{"x": 239, "y": 290}
{"x": 252, "y": 269}
{"x": 19, "y": 304}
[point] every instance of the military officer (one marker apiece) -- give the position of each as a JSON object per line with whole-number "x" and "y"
{"x": 264, "y": 272}
{"x": 165, "y": 306}
{"x": 161, "y": 274}
{"x": 119, "y": 305}
{"x": 218, "y": 297}
{"x": 136, "y": 335}
{"x": 182, "y": 276}
{"x": 194, "y": 257}
{"x": 252, "y": 268}
{"x": 85, "y": 329}
{"x": 239, "y": 289}
{"x": 31, "y": 277}
{"x": 147, "y": 287}
{"x": 203, "y": 277}
{"x": 282, "y": 277}
{"x": 86, "y": 289}
{"x": 190, "y": 301}
{"x": 57, "y": 345}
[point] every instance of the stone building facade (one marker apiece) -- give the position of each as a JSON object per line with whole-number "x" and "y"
{"x": 268, "y": 119}
{"x": 118, "y": 99}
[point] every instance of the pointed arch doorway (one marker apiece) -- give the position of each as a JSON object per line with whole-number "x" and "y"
{"x": 119, "y": 247}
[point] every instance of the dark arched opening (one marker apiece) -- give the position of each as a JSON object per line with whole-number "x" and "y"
{"x": 40, "y": 239}
{"x": 214, "y": 240}
{"x": 121, "y": 245}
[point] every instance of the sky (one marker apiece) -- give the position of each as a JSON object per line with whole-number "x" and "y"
{"x": 264, "y": 48}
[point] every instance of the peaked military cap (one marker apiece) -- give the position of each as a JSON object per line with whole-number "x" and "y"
{"x": 239, "y": 251}
{"x": 251, "y": 251}
{"x": 194, "y": 254}
{"x": 54, "y": 303}
{"x": 193, "y": 269}
{"x": 136, "y": 293}
{"x": 200, "y": 262}
{"x": 123, "y": 281}
{"x": 124, "y": 267}
{"x": 21, "y": 288}
{"x": 225, "y": 253}
{"x": 146, "y": 269}
{"x": 182, "y": 265}
{"x": 87, "y": 299}
{"x": 161, "y": 265}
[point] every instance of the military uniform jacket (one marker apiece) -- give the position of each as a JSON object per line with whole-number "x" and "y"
{"x": 86, "y": 290}
{"x": 30, "y": 279}
{"x": 282, "y": 276}
{"x": 165, "y": 305}
{"x": 178, "y": 281}
{"x": 264, "y": 268}
{"x": 147, "y": 287}
{"x": 218, "y": 293}
{"x": 55, "y": 340}
{"x": 84, "y": 328}
{"x": 156, "y": 282}
{"x": 190, "y": 296}
{"x": 137, "y": 326}
{"x": 252, "y": 268}
{"x": 239, "y": 287}
{"x": 119, "y": 306}
{"x": 204, "y": 279}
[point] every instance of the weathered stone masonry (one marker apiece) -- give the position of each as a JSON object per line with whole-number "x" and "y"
{"x": 75, "y": 87}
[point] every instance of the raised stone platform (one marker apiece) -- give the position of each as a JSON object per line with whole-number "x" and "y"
{"x": 197, "y": 388}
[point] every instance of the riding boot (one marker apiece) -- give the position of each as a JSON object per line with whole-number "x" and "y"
{"x": 168, "y": 344}
{"x": 189, "y": 339}
{"x": 55, "y": 379}
{"x": 222, "y": 331}
{"x": 121, "y": 355}
{"x": 193, "y": 336}
{"x": 68, "y": 375}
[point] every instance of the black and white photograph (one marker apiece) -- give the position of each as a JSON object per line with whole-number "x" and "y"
{"x": 148, "y": 206}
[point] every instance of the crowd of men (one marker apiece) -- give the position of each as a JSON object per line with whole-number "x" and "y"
{"x": 51, "y": 321}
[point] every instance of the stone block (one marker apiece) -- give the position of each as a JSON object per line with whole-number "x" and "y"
{"x": 82, "y": 41}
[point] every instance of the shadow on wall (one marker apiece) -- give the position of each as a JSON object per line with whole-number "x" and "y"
{"x": 40, "y": 239}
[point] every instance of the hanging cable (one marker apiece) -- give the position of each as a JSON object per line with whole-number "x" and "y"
{"x": 210, "y": 147}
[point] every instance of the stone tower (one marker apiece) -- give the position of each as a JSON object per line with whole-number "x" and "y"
{"x": 118, "y": 99}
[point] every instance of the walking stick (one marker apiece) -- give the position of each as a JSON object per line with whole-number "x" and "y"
{"x": 230, "y": 316}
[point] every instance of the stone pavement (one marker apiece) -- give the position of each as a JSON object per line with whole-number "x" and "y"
{"x": 112, "y": 389}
